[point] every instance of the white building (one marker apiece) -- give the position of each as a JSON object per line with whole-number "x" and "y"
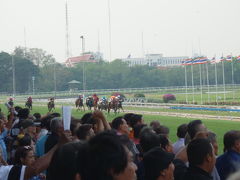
{"x": 155, "y": 60}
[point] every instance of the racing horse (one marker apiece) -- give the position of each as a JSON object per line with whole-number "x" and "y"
{"x": 28, "y": 104}
{"x": 120, "y": 101}
{"x": 89, "y": 102}
{"x": 113, "y": 104}
{"x": 79, "y": 104}
{"x": 103, "y": 105}
{"x": 51, "y": 105}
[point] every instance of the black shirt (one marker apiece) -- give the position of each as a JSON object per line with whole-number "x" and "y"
{"x": 196, "y": 173}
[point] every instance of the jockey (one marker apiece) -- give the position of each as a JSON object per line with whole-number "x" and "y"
{"x": 52, "y": 99}
{"x": 10, "y": 102}
{"x": 95, "y": 98}
{"x": 113, "y": 98}
{"x": 29, "y": 99}
{"x": 104, "y": 99}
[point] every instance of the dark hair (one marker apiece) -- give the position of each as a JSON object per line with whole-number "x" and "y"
{"x": 74, "y": 126}
{"x": 212, "y": 137}
{"x": 21, "y": 152}
{"x": 192, "y": 128}
{"x": 105, "y": 153}
{"x": 230, "y": 139}
{"x": 162, "y": 130}
{"x": 23, "y": 113}
{"x": 45, "y": 122}
{"x": 86, "y": 117}
{"x": 55, "y": 114}
{"x": 26, "y": 140}
{"x": 182, "y": 130}
{"x": 83, "y": 131}
{"x": 64, "y": 162}
{"x": 155, "y": 124}
{"x": 117, "y": 122}
{"x": 149, "y": 140}
{"x": 137, "y": 129}
{"x": 128, "y": 117}
{"x": 134, "y": 119}
{"x": 163, "y": 141}
{"x": 197, "y": 150}
{"x": 37, "y": 116}
{"x": 17, "y": 108}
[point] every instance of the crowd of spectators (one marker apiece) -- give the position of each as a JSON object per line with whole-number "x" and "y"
{"x": 36, "y": 147}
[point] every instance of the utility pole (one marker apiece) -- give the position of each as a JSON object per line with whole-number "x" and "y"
{"x": 83, "y": 75}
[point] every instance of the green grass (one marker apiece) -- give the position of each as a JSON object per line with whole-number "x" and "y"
{"x": 220, "y": 127}
{"x": 216, "y": 113}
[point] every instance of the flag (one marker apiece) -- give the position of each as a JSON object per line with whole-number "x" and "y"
{"x": 213, "y": 60}
{"x": 229, "y": 58}
{"x": 238, "y": 58}
{"x": 222, "y": 58}
{"x": 187, "y": 62}
{"x": 203, "y": 60}
{"x": 129, "y": 56}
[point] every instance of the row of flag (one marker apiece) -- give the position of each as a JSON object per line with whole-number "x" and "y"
{"x": 204, "y": 60}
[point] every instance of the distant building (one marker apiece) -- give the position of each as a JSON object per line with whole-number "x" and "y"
{"x": 155, "y": 60}
{"x": 89, "y": 57}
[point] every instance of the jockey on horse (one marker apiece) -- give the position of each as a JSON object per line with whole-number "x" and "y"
{"x": 95, "y": 101}
{"x": 29, "y": 103}
{"x": 103, "y": 104}
{"x": 89, "y": 102}
{"x": 79, "y": 103}
{"x": 113, "y": 104}
{"x": 51, "y": 104}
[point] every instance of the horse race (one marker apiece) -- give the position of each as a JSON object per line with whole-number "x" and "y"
{"x": 120, "y": 90}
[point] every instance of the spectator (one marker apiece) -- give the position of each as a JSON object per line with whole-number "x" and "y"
{"x": 229, "y": 162}
{"x": 108, "y": 159}
{"x": 163, "y": 130}
{"x": 194, "y": 127}
{"x": 181, "y": 133}
{"x": 158, "y": 165}
{"x": 155, "y": 124}
{"x": 201, "y": 159}
{"x": 85, "y": 132}
{"x": 165, "y": 144}
{"x": 120, "y": 125}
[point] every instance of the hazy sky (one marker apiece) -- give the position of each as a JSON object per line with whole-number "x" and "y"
{"x": 171, "y": 27}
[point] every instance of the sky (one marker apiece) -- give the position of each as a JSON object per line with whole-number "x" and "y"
{"x": 138, "y": 27}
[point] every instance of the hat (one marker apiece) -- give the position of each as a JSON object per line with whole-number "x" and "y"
{"x": 27, "y": 123}
{"x": 155, "y": 161}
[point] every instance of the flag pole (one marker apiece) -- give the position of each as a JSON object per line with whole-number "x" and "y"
{"x": 208, "y": 83}
{"x": 216, "y": 81}
{"x": 233, "y": 79}
{"x": 186, "y": 95}
{"x": 224, "y": 88}
{"x": 200, "y": 71}
{"x": 192, "y": 83}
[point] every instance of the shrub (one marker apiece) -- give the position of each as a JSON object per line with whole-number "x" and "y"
{"x": 139, "y": 95}
{"x": 168, "y": 97}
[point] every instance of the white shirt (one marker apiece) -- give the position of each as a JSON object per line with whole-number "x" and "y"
{"x": 4, "y": 172}
{"x": 177, "y": 146}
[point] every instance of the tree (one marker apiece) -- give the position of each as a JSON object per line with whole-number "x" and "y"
{"x": 38, "y": 56}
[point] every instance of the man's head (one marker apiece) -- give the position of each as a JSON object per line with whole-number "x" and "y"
{"x": 107, "y": 158}
{"x": 231, "y": 141}
{"x": 85, "y": 132}
{"x": 158, "y": 164}
{"x": 194, "y": 127}
{"x": 120, "y": 125}
{"x": 212, "y": 137}
{"x": 23, "y": 113}
{"x": 149, "y": 140}
{"x": 56, "y": 125}
{"x": 182, "y": 130}
{"x": 200, "y": 153}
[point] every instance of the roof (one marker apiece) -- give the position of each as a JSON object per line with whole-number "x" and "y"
{"x": 84, "y": 58}
{"x": 74, "y": 82}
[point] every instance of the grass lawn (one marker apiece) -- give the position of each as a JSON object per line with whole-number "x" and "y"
{"x": 218, "y": 126}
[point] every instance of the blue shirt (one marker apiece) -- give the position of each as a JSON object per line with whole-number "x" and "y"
{"x": 3, "y": 145}
{"x": 40, "y": 145}
{"x": 228, "y": 163}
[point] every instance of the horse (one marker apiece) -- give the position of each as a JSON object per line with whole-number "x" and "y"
{"x": 51, "y": 106}
{"x": 113, "y": 104}
{"x": 103, "y": 105}
{"x": 120, "y": 101}
{"x": 28, "y": 104}
{"x": 79, "y": 104}
{"x": 89, "y": 103}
